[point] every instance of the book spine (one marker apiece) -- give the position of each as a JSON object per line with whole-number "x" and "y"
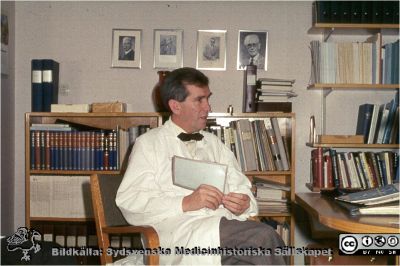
{"x": 47, "y": 150}
{"x": 364, "y": 120}
{"x": 317, "y": 167}
{"x": 50, "y": 83}
{"x": 273, "y": 145}
{"x": 335, "y": 173}
{"x": 328, "y": 180}
{"x": 42, "y": 151}
{"x": 360, "y": 172}
{"x": 275, "y": 126}
{"x": 390, "y": 121}
{"x": 32, "y": 151}
{"x": 249, "y": 89}
{"x": 37, "y": 85}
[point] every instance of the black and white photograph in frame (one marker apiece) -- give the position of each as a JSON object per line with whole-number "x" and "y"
{"x": 252, "y": 49}
{"x": 211, "y": 49}
{"x": 168, "y": 48}
{"x": 126, "y": 48}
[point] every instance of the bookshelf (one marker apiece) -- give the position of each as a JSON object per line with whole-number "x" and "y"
{"x": 327, "y": 29}
{"x": 287, "y": 127}
{"x": 54, "y": 225}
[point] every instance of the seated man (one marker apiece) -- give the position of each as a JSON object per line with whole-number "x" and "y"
{"x": 204, "y": 218}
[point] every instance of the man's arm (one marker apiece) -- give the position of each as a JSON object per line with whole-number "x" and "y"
{"x": 139, "y": 197}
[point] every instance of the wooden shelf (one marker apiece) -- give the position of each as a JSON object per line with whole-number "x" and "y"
{"x": 353, "y": 145}
{"x": 274, "y": 214}
{"x": 73, "y": 172}
{"x": 61, "y": 219}
{"x": 355, "y": 26}
{"x": 271, "y": 173}
{"x": 333, "y": 86}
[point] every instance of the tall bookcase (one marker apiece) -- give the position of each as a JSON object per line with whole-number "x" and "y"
{"x": 287, "y": 126}
{"x": 56, "y": 226}
{"x": 327, "y": 29}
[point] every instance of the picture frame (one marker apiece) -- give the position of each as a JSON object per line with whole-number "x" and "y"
{"x": 168, "y": 48}
{"x": 5, "y": 64}
{"x": 126, "y": 48}
{"x": 252, "y": 44}
{"x": 211, "y": 49}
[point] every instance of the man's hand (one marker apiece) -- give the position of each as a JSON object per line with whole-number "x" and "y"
{"x": 203, "y": 196}
{"x": 237, "y": 203}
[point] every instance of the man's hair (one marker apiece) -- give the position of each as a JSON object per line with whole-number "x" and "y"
{"x": 175, "y": 83}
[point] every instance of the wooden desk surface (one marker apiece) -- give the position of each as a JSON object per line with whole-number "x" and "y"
{"x": 332, "y": 215}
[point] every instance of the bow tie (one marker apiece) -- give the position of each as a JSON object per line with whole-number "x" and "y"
{"x": 188, "y": 137}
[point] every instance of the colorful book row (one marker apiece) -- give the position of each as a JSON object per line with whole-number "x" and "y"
{"x": 361, "y": 170}
{"x": 74, "y": 150}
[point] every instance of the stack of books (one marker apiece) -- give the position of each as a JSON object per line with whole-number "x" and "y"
{"x": 271, "y": 197}
{"x": 274, "y": 90}
{"x": 378, "y": 201}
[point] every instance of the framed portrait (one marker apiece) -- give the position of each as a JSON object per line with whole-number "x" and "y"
{"x": 211, "y": 49}
{"x": 252, "y": 49}
{"x": 126, "y": 48}
{"x": 168, "y": 49}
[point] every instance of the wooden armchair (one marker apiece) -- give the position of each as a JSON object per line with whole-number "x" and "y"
{"x": 109, "y": 219}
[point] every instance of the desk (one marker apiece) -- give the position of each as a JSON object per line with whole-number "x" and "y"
{"x": 328, "y": 213}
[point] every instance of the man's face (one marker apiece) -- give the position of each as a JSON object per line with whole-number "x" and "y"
{"x": 252, "y": 44}
{"x": 127, "y": 43}
{"x": 193, "y": 112}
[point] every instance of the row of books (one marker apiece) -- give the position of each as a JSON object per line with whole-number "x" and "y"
{"x": 61, "y": 147}
{"x": 259, "y": 145}
{"x": 60, "y": 196}
{"x": 361, "y": 170}
{"x": 271, "y": 197}
{"x": 71, "y": 235}
{"x": 282, "y": 228}
{"x": 391, "y": 63}
{"x": 44, "y": 89}
{"x": 356, "y": 12}
{"x": 379, "y": 123}
{"x": 82, "y": 235}
{"x": 351, "y": 62}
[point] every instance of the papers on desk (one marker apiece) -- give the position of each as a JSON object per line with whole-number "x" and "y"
{"x": 379, "y": 195}
{"x": 378, "y": 201}
{"x": 190, "y": 174}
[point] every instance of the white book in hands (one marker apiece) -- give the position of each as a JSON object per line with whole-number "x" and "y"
{"x": 190, "y": 174}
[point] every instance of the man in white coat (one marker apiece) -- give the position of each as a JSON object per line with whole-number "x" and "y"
{"x": 204, "y": 219}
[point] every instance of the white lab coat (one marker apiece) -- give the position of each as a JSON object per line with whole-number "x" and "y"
{"x": 147, "y": 196}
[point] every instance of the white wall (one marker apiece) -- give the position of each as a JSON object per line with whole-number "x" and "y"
{"x": 7, "y": 132}
{"x": 78, "y": 35}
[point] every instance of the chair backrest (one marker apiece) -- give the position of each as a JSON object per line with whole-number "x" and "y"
{"x": 104, "y": 189}
{"x": 108, "y": 186}
{"x": 109, "y": 219}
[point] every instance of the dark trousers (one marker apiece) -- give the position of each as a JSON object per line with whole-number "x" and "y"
{"x": 246, "y": 235}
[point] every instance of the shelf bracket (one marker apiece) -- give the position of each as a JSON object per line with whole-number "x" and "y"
{"x": 328, "y": 33}
{"x": 325, "y": 92}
